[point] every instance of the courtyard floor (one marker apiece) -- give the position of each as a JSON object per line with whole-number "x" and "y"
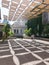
{"x": 24, "y": 52}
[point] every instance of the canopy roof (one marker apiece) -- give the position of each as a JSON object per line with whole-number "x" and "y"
{"x": 25, "y": 8}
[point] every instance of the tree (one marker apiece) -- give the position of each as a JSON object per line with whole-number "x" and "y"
{"x": 46, "y": 29}
{"x": 28, "y": 32}
{"x": 7, "y": 31}
{"x": 36, "y": 25}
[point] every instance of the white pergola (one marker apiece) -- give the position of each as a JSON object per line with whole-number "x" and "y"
{"x": 25, "y": 8}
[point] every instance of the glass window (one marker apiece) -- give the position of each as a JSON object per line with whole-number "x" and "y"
{"x": 14, "y": 30}
{"x": 17, "y": 31}
{"x": 21, "y": 31}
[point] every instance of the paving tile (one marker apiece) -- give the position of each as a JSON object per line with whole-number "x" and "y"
{"x": 20, "y": 51}
{"x": 4, "y": 48}
{"x": 30, "y": 43}
{"x": 42, "y": 63}
{"x": 23, "y": 43}
{"x": 29, "y": 57}
{"x": 17, "y": 47}
{"x": 45, "y": 48}
{"x": 2, "y": 45}
{"x": 6, "y": 61}
{"x": 26, "y": 58}
{"x": 47, "y": 61}
{"x": 34, "y": 49}
{"x": 43, "y": 54}
{"x": 28, "y": 46}
{"x": 38, "y": 45}
{"x": 5, "y": 42}
{"x": 5, "y": 53}
{"x": 46, "y": 44}
{"x": 13, "y": 43}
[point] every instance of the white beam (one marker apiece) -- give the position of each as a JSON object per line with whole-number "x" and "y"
{"x": 19, "y": 12}
{"x": 25, "y": 9}
{"x": 13, "y": 6}
{"x": 15, "y": 2}
{"x": 12, "y": 10}
{"x": 4, "y": 4}
{"x": 28, "y": 6}
{"x": 23, "y": 4}
{"x": 9, "y": 7}
{"x": 21, "y": 8}
{"x": 17, "y": 9}
{"x": 37, "y": 2}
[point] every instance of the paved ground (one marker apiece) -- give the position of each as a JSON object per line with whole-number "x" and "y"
{"x": 24, "y": 52}
{"x": 5, "y": 55}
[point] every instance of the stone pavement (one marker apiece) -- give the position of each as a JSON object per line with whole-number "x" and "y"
{"x": 5, "y": 55}
{"x": 24, "y": 52}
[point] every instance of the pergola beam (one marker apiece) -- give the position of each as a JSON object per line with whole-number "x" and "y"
{"x": 17, "y": 9}
{"x": 27, "y": 7}
{"x": 24, "y": 7}
{"x": 9, "y": 7}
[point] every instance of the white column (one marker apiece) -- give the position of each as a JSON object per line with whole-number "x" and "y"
{"x": 48, "y": 16}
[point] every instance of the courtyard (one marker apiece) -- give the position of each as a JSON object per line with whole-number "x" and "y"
{"x": 24, "y": 52}
{"x": 24, "y": 32}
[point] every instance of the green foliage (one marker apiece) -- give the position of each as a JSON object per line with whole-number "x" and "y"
{"x": 7, "y": 31}
{"x": 37, "y": 28}
{"x": 46, "y": 29}
{"x": 28, "y": 32}
{"x": 34, "y": 24}
{"x": 10, "y": 33}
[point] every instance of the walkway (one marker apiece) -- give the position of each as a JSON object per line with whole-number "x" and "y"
{"x": 24, "y": 52}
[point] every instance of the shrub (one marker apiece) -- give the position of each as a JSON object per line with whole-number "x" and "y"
{"x": 28, "y": 32}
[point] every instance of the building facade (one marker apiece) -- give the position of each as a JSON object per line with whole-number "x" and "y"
{"x": 18, "y": 28}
